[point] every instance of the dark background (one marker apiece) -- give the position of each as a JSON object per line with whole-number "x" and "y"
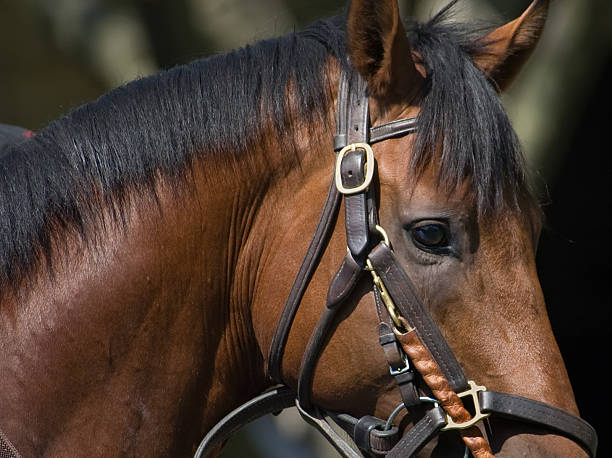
{"x": 57, "y": 54}
{"x": 575, "y": 254}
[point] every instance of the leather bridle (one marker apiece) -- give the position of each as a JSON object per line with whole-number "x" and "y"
{"x": 430, "y": 380}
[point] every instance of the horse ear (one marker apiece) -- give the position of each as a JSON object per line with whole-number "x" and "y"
{"x": 509, "y": 46}
{"x": 379, "y": 49}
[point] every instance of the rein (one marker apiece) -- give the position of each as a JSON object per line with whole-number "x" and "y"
{"x": 411, "y": 340}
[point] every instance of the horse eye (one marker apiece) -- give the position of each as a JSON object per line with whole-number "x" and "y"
{"x": 430, "y": 235}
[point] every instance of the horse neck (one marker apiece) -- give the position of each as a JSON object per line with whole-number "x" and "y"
{"x": 144, "y": 337}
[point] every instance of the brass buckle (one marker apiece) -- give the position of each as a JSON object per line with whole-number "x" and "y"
{"x": 478, "y": 415}
{"x": 369, "y": 168}
{"x": 392, "y": 309}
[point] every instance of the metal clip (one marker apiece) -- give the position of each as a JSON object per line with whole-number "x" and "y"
{"x": 392, "y": 309}
{"x": 478, "y": 415}
{"x": 384, "y": 235}
{"x": 369, "y": 168}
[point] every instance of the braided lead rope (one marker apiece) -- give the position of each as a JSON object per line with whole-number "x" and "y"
{"x": 431, "y": 373}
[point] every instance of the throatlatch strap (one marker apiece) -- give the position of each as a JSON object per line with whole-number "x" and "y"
{"x": 316, "y": 248}
{"x": 352, "y": 124}
{"x": 269, "y": 402}
{"x": 342, "y": 284}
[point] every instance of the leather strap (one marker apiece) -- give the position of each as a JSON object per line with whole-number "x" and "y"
{"x": 352, "y": 169}
{"x": 315, "y": 346}
{"x": 380, "y": 442}
{"x": 402, "y": 291}
{"x": 340, "y": 138}
{"x": 399, "y": 366}
{"x": 317, "y": 246}
{"x": 393, "y": 129}
{"x": 520, "y": 408}
{"x": 363, "y": 429}
{"x": 353, "y": 122}
{"x": 266, "y": 403}
{"x": 420, "y": 434}
{"x": 343, "y": 283}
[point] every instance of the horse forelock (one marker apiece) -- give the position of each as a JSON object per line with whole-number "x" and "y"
{"x": 464, "y": 131}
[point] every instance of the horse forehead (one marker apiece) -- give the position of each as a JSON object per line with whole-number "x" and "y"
{"x": 420, "y": 189}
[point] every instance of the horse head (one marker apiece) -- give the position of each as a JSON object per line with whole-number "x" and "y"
{"x": 453, "y": 202}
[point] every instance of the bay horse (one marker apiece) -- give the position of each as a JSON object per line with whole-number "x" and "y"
{"x": 150, "y": 239}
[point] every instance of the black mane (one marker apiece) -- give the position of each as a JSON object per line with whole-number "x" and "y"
{"x": 219, "y": 107}
{"x": 155, "y": 126}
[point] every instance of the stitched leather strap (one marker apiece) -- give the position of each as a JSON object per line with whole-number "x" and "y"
{"x": 319, "y": 241}
{"x": 393, "y": 129}
{"x": 352, "y": 169}
{"x": 402, "y": 291}
{"x": 397, "y": 128}
{"x": 420, "y": 434}
{"x": 529, "y": 410}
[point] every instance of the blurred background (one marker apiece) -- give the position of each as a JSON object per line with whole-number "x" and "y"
{"x": 58, "y": 54}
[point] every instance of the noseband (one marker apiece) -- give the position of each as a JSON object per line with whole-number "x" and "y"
{"x": 429, "y": 378}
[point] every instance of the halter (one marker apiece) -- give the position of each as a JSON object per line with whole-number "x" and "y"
{"x": 416, "y": 351}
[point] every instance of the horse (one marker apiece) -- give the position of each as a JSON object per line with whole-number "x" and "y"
{"x": 150, "y": 239}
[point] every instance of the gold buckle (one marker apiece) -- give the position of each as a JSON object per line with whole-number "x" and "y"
{"x": 392, "y": 309}
{"x": 401, "y": 326}
{"x": 478, "y": 415}
{"x": 369, "y": 168}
